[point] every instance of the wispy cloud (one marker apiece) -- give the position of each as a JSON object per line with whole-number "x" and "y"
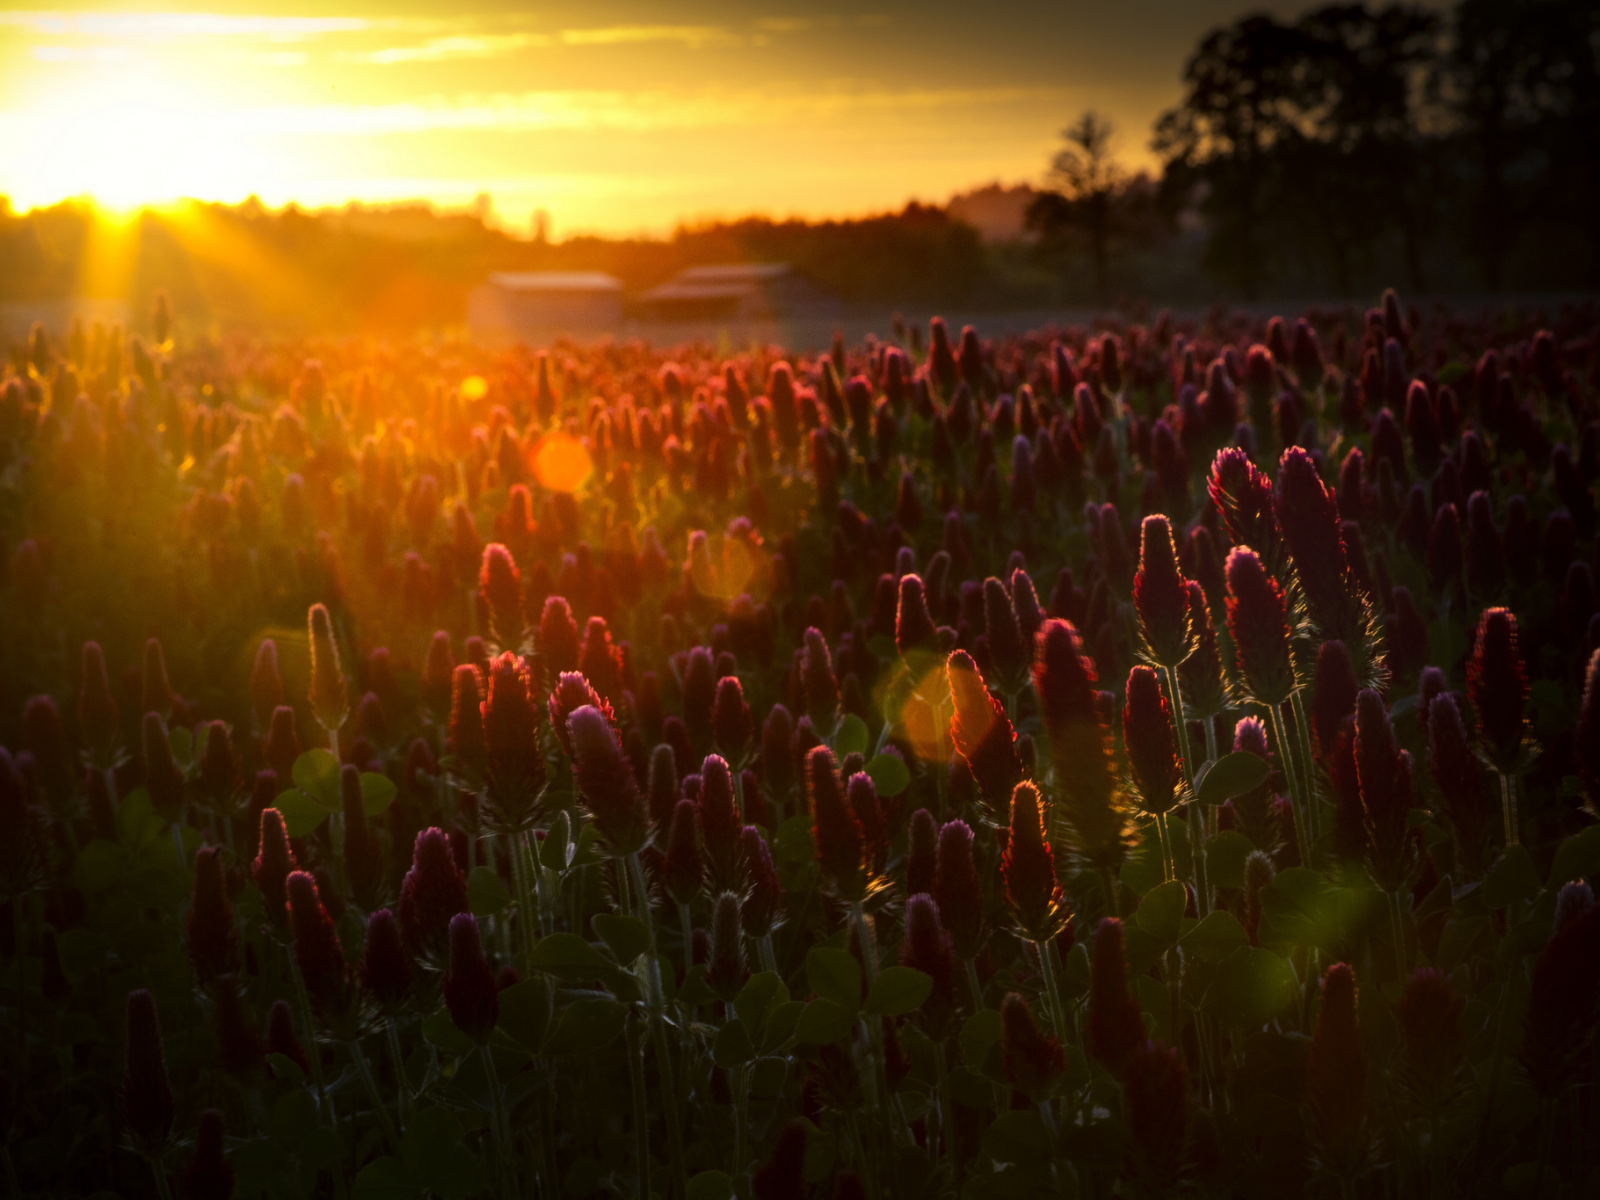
{"x": 694, "y": 37}
{"x": 442, "y": 49}
{"x": 166, "y": 25}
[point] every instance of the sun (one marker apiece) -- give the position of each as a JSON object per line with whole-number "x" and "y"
{"x": 127, "y": 135}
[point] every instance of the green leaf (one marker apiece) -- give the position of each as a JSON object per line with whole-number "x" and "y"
{"x": 781, "y": 1022}
{"x": 440, "y": 1029}
{"x": 1232, "y": 775}
{"x": 1160, "y": 913}
{"x": 823, "y": 1022}
{"x": 1215, "y": 937}
{"x": 897, "y": 991}
{"x": 980, "y": 1034}
{"x": 792, "y": 845}
{"x": 525, "y": 1012}
{"x": 287, "y": 1069}
{"x": 433, "y": 1151}
{"x": 1225, "y": 855}
{"x": 835, "y": 975}
{"x": 486, "y": 893}
{"x": 316, "y": 772}
{"x": 760, "y": 995}
{"x": 693, "y": 990}
{"x": 1251, "y": 987}
{"x": 585, "y": 1026}
{"x": 732, "y": 1047}
{"x": 99, "y": 865}
{"x": 568, "y": 955}
{"x": 384, "y": 1178}
{"x": 293, "y": 1118}
{"x": 626, "y": 937}
{"x": 889, "y": 773}
{"x": 710, "y": 1185}
{"x": 137, "y": 821}
{"x": 181, "y": 742}
{"x": 852, "y": 736}
{"x": 376, "y": 792}
{"x": 1513, "y": 878}
{"x": 301, "y": 814}
{"x": 1577, "y": 856}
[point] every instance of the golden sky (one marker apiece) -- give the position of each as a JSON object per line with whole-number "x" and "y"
{"x": 612, "y": 117}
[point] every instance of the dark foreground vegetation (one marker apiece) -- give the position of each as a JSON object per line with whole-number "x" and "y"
{"x": 1085, "y": 764}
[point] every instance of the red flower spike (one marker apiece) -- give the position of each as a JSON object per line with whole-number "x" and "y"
{"x": 1257, "y": 619}
{"x": 1243, "y": 495}
{"x": 282, "y": 744}
{"x": 1336, "y": 1074}
{"x": 1429, "y": 1014}
{"x": 500, "y": 585}
{"x": 922, "y": 848}
{"x": 1006, "y": 642}
{"x": 572, "y": 692}
{"x": 1333, "y": 695}
{"x": 699, "y": 694}
{"x": 818, "y": 682}
{"x": 467, "y": 743}
{"x": 437, "y": 680}
{"x": 213, "y": 940}
{"x": 281, "y": 1036}
{"x": 847, "y": 1185}
{"x": 914, "y": 630}
{"x": 558, "y": 636}
{"x": 927, "y": 948}
{"x": 1204, "y": 692}
{"x": 1115, "y": 1028}
{"x": 1497, "y": 685}
{"x": 146, "y": 1094}
{"x": 156, "y": 692}
{"x": 1307, "y": 513}
{"x": 266, "y": 684}
{"x": 726, "y": 972}
{"x": 209, "y": 1176}
{"x": 777, "y": 759}
{"x": 862, "y": 796}
{"x": 682, "y": 871}
{"x": 1161, "y": 594}
{"x": 1558, "y": 1031}
{"x": 1152, "y": 748}
{"x": 1586, "y": 740}
{"x": 1033, "y": 1059}
{"x": 834, "y": 827}
{"x": 1383, "y": 774}
{"x": 1155, "y": 1091}
{"x": 469, "y": 989}
{"x": 317, "y": 951}
{"x": 982, "y": 733}
{"x": 720, "y": 823}
{"x": 385, "y": 969}
{"x": 606, "y": 781}
{"x": 662, "y": 786}
{"x": 330, "y": 699}
{"x": 514, "y": 769}
{"x": 1028, "y": 868}
{"x": 731, "y": 725}
{"x": 274, "y": 861}
{"x": 763, "y": 897}
{"x": 97, "y": 707}
{"x": 1064, "y": 678}
{"x": 434, "y": 891}
{"x": 957, "y": 891}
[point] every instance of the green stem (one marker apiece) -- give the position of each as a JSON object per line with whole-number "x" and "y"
{"x": 1168, "y": 873}
{"x": 502, "y": 1138}
{"x": 641, "y": 1113}
{"x": 947, "y": 1130}
{"x": 687, "y": 924}
{"x": 1502, "y": 1006}
{"x": 869, "y": 958}
{"x": 313, "y": 1056}
{"x": 1047, "y": 968}
{"x": 1546, "y": 1138}
{"x": 972, "y": 982}
{"x": 365, "y": 1072}
{"x": 1210, "y": 726}
{"x": 1508, "y": 806}
{"x": 397, "y": 1057}
{"x": 1295, "y": 799}
{"x": 769, "y": 957}
{"x": 1398, "y": 931}
{"x": 1108, "y": 884}
{"x": 658, "y": 1032}
{"x": 1308, "y": 772}
{"x": 1196, "y": 814}
{"x": 163, "y": 1188}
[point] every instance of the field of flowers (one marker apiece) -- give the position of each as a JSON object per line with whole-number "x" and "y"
{"x": 1112, "y": 762}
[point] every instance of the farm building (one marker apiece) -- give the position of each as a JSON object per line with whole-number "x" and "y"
{"x": 734, "y": 292}
{"x": 515, "y": 305}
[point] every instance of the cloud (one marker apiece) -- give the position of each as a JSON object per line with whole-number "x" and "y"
{"x": 165, "y": 25}
{"x": 442, "y": 49}
{"x": 694, "y": 37}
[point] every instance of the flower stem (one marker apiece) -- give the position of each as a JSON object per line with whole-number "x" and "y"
{"x": 1398, "y": 931}
{"x": 313, "y": 1056}
{"x": 1197, "y": 839}
{"x": 641, "y": 1114}
{"x": 1307, "y": 772}
{"x": 658, "y": 1031}
{"x": 1047, "y": 968}
{"x": 1303, "y": 843}
{"x": 502, "y": 1138}
{"x": 163, "y": 1188}
{"x": 365, "y": 1072}
{"x": 1168, "y": 872}
{"x": 1508, "y": 806}
{"x": 402, "y": 1084}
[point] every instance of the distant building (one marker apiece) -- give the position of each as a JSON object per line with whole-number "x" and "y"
{"x": 734, "y": 292}
{"x": 523, "y": 305}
